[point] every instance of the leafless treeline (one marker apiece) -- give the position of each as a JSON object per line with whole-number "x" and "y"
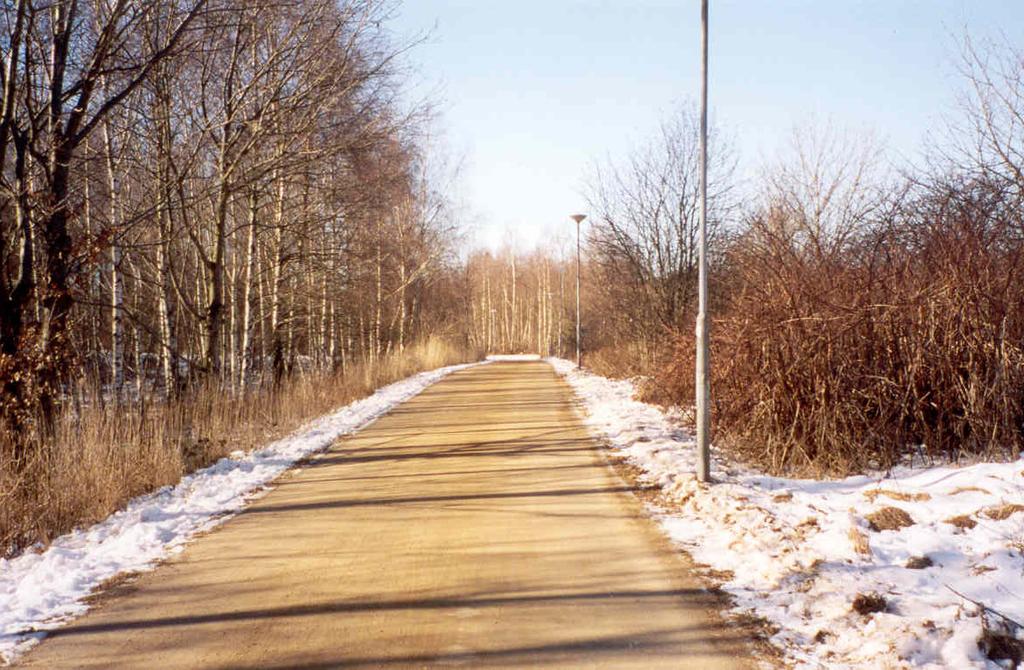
{"x": 207, "y": 190}
{"x": 521, "y": 302}
{"x": 640, "y": 262}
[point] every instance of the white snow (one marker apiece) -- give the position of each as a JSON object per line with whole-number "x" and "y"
{"x": 784, "y": 545}
{"x": 513, "y": 357}
{"x": 41, "y": 590}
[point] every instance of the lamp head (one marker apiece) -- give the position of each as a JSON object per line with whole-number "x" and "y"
{"x": 578, "y": 218}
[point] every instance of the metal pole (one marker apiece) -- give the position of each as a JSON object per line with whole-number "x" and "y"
{"x": 579, "y": 348}
{"x": 703, "y": 384}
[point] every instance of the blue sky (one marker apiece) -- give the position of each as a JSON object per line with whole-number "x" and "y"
{"x": 532, "y": 93}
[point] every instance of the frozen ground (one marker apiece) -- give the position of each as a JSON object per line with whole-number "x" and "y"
{"x": 40, "y": 590}
{"x": 799, "y": 552}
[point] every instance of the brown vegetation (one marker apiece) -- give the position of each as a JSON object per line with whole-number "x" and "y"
{"x": 873, "y": 494}
{"x": 861, "y": 542}
{"x": 968, "y": 489}
{"x": 110, "y": 453}
{"x": 1002, "y": 512}
{"x": 889, "y": 518}
{"x": 860, "y": 318}
{"x": 846, "y": 352}
{"x": 962, "y": 521}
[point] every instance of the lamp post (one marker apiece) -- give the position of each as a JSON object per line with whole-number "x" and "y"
{"x": 703, "y": 384}
{"x": 578, "y": 218}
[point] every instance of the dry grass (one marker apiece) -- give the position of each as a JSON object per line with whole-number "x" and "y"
{"x": 873, "y": 494}
{"x": 889, "y": 518}
{"x": 860, "y": 541}
{"x": 1003, "y": 511}
{"x": 968, "y": 489}
{"x": 103, "y": 454}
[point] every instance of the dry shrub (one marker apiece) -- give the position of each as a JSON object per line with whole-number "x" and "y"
{"x": 962, "y": 521}
{"x": 103, "y": 454}
{"x": 840, "y": 348}
{"x": 889, "y": 518}
{"x": 620, "y": 361}
{"x": 868, "y": 603}
{"x": 640, "y": 361}
{"x": 1003, "y": 511}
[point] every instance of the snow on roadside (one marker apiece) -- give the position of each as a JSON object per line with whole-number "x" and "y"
{"x": 513, "y": 357}
{"x": 40, "y": 591}
{"x": 793, "y": 551}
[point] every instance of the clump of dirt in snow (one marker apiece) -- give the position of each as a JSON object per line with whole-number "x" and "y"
{"x": 919, "y": 563}
{"x": 889, "y": 518}
{"x": 868, "y": 603}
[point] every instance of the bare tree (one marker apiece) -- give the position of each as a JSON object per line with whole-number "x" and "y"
{"x": 643, "y": 243}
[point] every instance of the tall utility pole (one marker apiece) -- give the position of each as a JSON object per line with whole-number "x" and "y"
{"x": 578, "y": 218}
{"x": 703, "y": 386}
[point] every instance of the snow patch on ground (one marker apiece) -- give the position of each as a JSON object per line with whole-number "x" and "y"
{"x": 513, "y": 357}
{"x": 42, "y": 590}
{"x": 789, "y": 547}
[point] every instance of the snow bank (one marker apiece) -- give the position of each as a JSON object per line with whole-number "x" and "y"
{"x": 42, "y": 590}
{"x": 513, "y": 357}
{"x": 793, "y": 551}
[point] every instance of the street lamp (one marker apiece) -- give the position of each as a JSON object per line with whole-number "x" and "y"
{"x": 578, "y": 218}
{"x": 703, "y": 367}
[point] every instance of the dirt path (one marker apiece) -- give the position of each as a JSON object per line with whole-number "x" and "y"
{"x": 474, "y": 526}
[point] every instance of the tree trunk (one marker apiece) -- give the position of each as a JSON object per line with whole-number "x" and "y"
{"x": 250, "y": 263}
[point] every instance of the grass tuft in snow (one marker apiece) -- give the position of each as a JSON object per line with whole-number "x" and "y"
{"x": 889, "y": 518}
{"x": 1003, "y": 511}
